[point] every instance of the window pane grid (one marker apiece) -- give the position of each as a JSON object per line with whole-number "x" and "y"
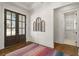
{"x": 11, "y": 24}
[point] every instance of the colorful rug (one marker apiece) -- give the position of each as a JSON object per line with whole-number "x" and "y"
{"x": 36, "y": 50}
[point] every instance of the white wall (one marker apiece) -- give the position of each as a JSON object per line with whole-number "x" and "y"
{"x": 1, "y": 29}
{"x": 44, "y": 38}
{"x": 16, "y": 9}
{"x": 46, "y": 12}
{"x": 60, "y": 23}
{"x": 58, "y": 27}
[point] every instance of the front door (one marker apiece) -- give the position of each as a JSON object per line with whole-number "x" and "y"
{"x": 15, "y": 27}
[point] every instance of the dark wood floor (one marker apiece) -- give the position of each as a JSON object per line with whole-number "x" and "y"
{"x": 9, "y": 49}
{"x": 71, "y": 50}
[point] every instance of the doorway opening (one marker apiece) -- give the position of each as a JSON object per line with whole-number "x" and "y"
{"x": 71, "y": 28}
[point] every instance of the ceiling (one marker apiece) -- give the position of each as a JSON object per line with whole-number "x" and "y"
{"x": 28, "y": 5}
{"x": 33, "y": 5}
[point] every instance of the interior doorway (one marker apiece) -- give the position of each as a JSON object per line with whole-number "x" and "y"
{"x": 70, "y": 28}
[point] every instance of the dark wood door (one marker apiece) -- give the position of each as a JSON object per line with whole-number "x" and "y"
{"x": 15, "y": 27}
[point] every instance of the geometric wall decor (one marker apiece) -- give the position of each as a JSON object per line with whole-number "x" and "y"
{"x": 39, "y": 25}
{"x": 43, "y": 26}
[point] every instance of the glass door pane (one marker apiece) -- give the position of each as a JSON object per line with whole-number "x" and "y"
{"x": 20, "y": 31}
{"x": 8, "y": 23}
{"x": 8, "y": 15}
{"x": 23, "y": 25}
{"x": 20, "y": 24}
{"x": 8, "y": 32}
{"x": 20, "y": 17}
{"x": 13, "y": 24}
{"x": 23, "y": 31}
{"x": 23, "y": 18}
{"x": 13, "y": 16}
{"x": 13, "y": 31}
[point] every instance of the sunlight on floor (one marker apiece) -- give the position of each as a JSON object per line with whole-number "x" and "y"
{"x": 70, "y": 42}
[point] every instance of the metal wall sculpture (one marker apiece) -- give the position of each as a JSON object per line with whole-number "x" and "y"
{"x": 39, "y": 25}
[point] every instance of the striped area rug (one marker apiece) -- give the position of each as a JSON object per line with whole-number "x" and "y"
{"x": 36, "y": 50}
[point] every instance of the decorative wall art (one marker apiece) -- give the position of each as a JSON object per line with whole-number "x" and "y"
{"x": 39, "y": 25}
